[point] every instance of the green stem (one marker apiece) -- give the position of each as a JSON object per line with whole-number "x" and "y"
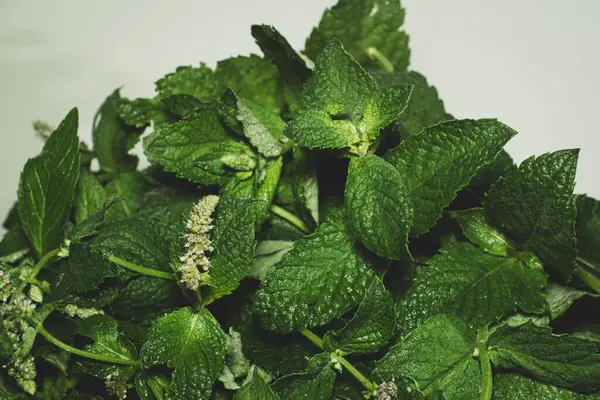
{"x": 370, "y": 386}
{"x": 99, "y": 357}
{"x": 376, "y": 55}
{"x": 289, "y": 217}
{"x": 36, "y": 270}
{"x": 586, "y": 276}
{"x": 142, "y": 270}
{"x": 485, "y": 364}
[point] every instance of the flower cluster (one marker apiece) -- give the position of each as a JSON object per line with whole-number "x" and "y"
{"x": 116, "y": 387}
{"x": 195, "y": 263}
{"x": 388, "y": 390}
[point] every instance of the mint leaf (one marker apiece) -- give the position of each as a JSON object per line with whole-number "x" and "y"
{"x": 129, "y": 189}
{"x": 535, "y": 206}
{"x": 89, "y": 197}
{"x": 268, "y": 253}
{"x": 588, "y": 229}
{"x": 560, "y": 298}
{"x": 193, "y": 344}
{"x": 108, "y": 341}
{"x": 322, "y": 277}
{"x": 369, "y": 29}
{"x": 113, "y": 138}
{"x": 435, "y": 357}
{"x": 233, "y": 246}
{"x": 513, "y": 386}
{"x": 424, "y": 108}
{"x": 221, "y": 163}
{"x": 475, "y": 285}
{"x": 560, "y": 360}
{"x": 178, "y": 147}
{"x": 371, "y": 327}
{"x": 138, "y": 112}
{"x": 476, "y": 227}
{"x": 315, "y": 383}
{"x": 261, "y": 126}
{"x": 305, "y": 184}
{"x": 47, "y": 187}
{"x": 440, "y": 161}
{"x": 343, "y": 106}
{"x": 255, "y": 388}
{"x": 376, "y": 206}
{"x": 146, "y": 295}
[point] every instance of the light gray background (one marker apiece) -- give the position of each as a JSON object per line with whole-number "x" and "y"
{"x": 534, "y": 64}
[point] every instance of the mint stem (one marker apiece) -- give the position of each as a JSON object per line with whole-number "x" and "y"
{"x": 383, "y": 61}
{"x": 36, "y": 270}
{"x": 289, "y": 217}
{"x": 99, "y": 357}
{"x": 370, "y": 386}
{"x": 142, "y": 270}
{"x": 486, "y": 366}
{"x": 586, "y": 276}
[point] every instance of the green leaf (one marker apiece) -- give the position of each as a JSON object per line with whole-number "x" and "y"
{"x": 47, "y": 187}
{"x": 321, "y": 278}
{"x": 535, "y": 206}
{"x": 261, "y": 126}
{"x": 560, "y": 360}
{"x": 316, "y": 382}
{"x": 476, "y": 227}
{"x": 224, "y": 161}
{"x": 146, "y": 295}
{"x": 290, "y": 64}
{"x": 255, "y": 389}
{"x": 588, "y": 229}
{"x": 178, "y": 147}
{"x": 343, "y": 106}
{"x": 560, "y": 298}
{"x": 268, "y": 253}
{"x": 193, "y": 344}
{"x": 137, "y": 112}
{"x": 479, "y": 287}
{"x": 113, "y": 138}
{"x": 305, "y": 184}
{"x": 89, "y": 197}
{"x": 108, "y": 341}
{"x": 440, "y": 161}
{"x": 377, "y": 206}
{"x": 364, "y": 27}
{"x": 489, "y": 174}
{"x": 371, "y": 327}
{"x": 233, "y": 246}
{"x": 129, "y": 188}
{"x": 424, "y": 108}
{"x": 181, "y": 105}
{"x": 435, "y": 357}
{"x": 513, "y": 386}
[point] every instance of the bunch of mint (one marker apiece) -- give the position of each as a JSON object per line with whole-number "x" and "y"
{"x": 312, "y": 226}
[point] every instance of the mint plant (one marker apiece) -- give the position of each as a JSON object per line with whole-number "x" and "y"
{"x": 313, "y": 225}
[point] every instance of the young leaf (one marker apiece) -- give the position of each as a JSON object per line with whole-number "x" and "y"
{"x": 113, "y": 138}
{"x": 108, "y": 341}
{"x": 47, "y": 187}
{"x": 255, "y": 389}
{"x": 233, "y": 243}
{"x": 322, "y": 277}
{"x": 560, "y": 360}
{"x": 343, "y": 106}
{"x": 89, "y": 197}
{"x": 440, "y": 161}
{"x": 513, "y": 386}
{"x": 435, "y": 357}
{"x": 193, "y": 344}
{"x": 179, "y": 146}
{"x": 477, "y": 229}
{"x": 371, "y": 327}
{"x": 377, "y": 206}
{"x": 369, "y": 29}
{"x": 479, "y": 287}
{"x": 536, "y": 207}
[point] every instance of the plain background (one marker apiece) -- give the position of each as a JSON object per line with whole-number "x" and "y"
{"x": 533, "y": 64}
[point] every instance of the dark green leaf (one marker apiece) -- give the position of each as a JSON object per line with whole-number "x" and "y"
{"x": 138, "y": 112}
{"x": 435, "y": 357}
{"x": 255, "y": 389}
{"x": 560, "y": 360}
{"x": 146, "y": 295}
{"x": 322, "y": 277}
{"x": 476, "y": 227}
{"x": 513, "y": 386}
{"x": 47, "y": 187}
{"x": 315, "y": 383}
{"x": 371, "y": 327}
{"x": 366, "y": 28}
{"x": 588, "y": 230}
{"x": 377, "y": 206}
{"x": 89, "y": 197}
{"x": 113, "y": 138}
{"x": 475, "y": 285}
{"x": 536, "y": 207}
{"x": 193, "y": 344}
{"x": 440, "y": 161}
{"x": 343, "y": 106}
{"x": 129, "y": 188}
